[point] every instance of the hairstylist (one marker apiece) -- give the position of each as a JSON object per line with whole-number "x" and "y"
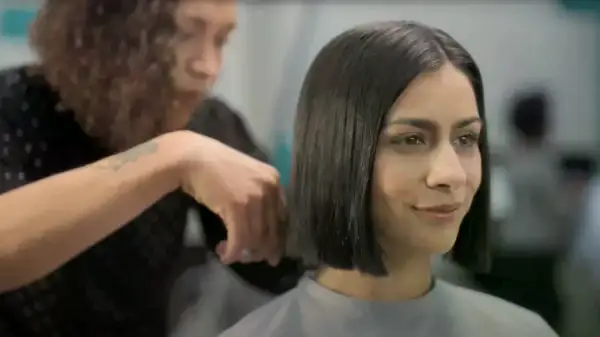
{"x": 97, "y": 169}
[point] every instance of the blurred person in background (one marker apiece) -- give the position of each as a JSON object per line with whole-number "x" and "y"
{"x": 532, "y": 236}
{"x": 101, "y": 157}
{"x": 582, "y": 270}
{"x": 586, "y": 244}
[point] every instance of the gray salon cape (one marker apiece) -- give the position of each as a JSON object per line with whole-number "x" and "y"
{"x": 311, "y": 310}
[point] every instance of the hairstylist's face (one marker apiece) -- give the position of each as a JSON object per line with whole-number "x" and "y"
{"x": 204, "y": 27}
{"x": 428, "y": 165}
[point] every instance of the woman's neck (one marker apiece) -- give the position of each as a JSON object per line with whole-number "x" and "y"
{"x": 411, "y": 281}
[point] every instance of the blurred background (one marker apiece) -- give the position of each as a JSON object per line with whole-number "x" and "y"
{"x": 540, "y": 64}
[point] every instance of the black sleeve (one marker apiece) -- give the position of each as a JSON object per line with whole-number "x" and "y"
{"x": 11, "y": 175}
{"x": 275, "y": 280}
{"x": 24, "y": 115}
{"x": 21, "y": 149}
{"x": 217, "y": 120}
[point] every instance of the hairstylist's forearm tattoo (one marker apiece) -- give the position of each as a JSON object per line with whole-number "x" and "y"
{"x": 118, "y": 161}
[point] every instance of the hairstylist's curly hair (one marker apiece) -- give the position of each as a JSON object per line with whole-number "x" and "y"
{"x": 110, "y": 62}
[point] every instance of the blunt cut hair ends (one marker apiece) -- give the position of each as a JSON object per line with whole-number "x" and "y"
{"x": 347, "y": 93}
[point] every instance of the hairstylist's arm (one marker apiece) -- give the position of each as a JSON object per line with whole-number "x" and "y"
{"x": 69, "y": 212}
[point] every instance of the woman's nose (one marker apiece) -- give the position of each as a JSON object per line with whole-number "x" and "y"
{"x": 446, "y": 169}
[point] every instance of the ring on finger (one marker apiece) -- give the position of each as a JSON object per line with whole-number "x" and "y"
{"x": 247, "y": 254}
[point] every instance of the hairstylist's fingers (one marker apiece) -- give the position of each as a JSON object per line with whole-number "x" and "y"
{"x": 235, "y": 226}
{"x": 220, "y": 248}
{"x": 281, "y": 227}
{"x": 283, "y": 215}
{"x": 282, "y": 204}
{"x": 271, "y": 228}
{"x": 255, "y": 237}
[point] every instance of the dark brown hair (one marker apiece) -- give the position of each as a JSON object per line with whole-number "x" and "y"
{"x": 110, "y": 61}
{"x": 347, "y": 94}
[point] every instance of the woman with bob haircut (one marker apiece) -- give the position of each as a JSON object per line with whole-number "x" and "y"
{"x": 390, "y": 168}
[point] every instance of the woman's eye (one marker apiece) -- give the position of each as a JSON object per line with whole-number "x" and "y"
{"x": 186, "y": 36}
{"x": 412, "y": 140}
{"x": 467, "y": 140}
{"x": 221, "y": 41}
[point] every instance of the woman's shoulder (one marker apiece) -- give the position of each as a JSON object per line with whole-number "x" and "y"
{"x": 493, "y": 316}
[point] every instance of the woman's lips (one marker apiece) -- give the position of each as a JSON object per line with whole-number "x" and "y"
{"x": 443, "y": 212}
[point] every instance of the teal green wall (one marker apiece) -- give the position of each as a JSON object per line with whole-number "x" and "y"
{"x": 582, "y": 5}
{"x": 592, "y": 6}
{"x": 281, "y": 158}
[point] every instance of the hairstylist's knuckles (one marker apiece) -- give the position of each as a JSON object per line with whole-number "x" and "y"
{"x": 243, "y": 191}
{"x": 260, "y": 209}
{"x": 236, "y": 233}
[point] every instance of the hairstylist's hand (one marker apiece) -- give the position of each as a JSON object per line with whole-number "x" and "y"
{"x": 244, "y": 192}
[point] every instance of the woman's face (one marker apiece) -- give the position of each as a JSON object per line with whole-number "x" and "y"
{"x": 204, "y": 28}
{"x": 428, "y": 165}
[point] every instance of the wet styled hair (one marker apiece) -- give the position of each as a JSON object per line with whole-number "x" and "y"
{"x": 345, "y": 98}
